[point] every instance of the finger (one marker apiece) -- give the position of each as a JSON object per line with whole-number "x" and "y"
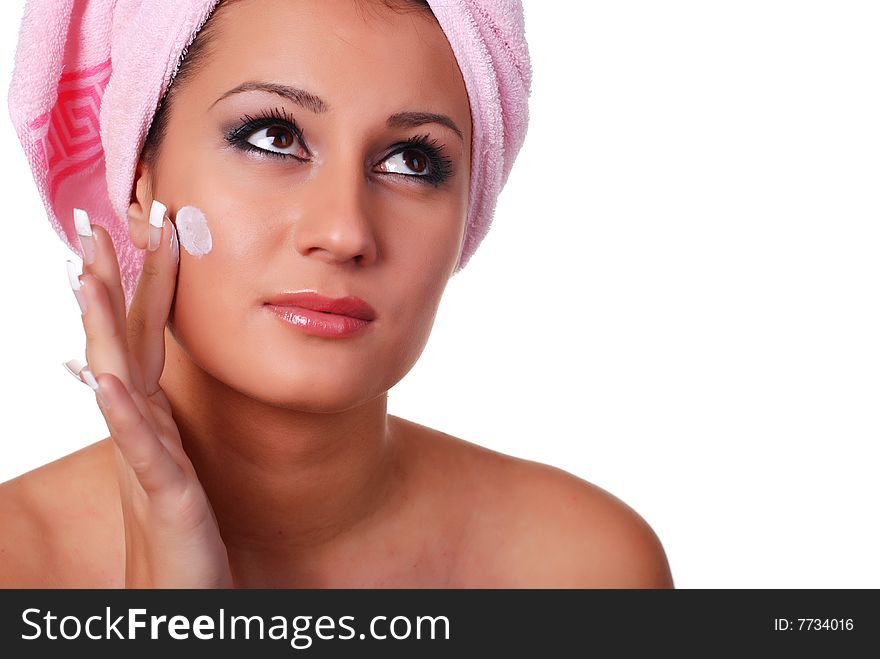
{"x": 99, "y": 258}
{"x": 106, "y": 349}
{"x": 81, "y": 372}
{"x": 144, "y": 452}
{"x": 151, "y": 304}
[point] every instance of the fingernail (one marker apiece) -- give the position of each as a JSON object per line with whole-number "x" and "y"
{"x": 76, "y": 285}
{"x": 85, "y": 235}
{"x": 74, "y": 366}
{"x": 175, "y": 246}
{"x": 157, "y": 217}
{"x": 90, "y": 380}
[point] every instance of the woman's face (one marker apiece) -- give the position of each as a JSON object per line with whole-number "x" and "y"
{"x": 345, "y": 210}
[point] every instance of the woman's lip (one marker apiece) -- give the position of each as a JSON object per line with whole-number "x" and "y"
{"x": 319, "y": 323}
{"x": 350, "y": 306}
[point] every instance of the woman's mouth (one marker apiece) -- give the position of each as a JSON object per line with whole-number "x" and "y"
{"x": 318, "y": 315}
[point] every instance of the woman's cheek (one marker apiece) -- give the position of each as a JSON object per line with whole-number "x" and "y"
{"x": 200, "y": 304}
{"x": 413, "y": 318}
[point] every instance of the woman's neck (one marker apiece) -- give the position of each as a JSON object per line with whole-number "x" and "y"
{"x": 284, "y": 484}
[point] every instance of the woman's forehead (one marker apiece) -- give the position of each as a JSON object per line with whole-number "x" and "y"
{"x": 337, "y": 50}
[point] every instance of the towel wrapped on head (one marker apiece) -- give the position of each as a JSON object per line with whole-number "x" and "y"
{"x": 89, "y": 76}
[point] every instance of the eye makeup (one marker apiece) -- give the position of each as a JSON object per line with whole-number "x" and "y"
{"x": 276, "y": 117}
{"x": 440, "y": 166}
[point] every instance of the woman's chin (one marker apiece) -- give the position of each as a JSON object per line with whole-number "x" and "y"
{"x": 318, "y": 395}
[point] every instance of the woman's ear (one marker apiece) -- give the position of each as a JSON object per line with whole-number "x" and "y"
{"x": 139, "y": 208}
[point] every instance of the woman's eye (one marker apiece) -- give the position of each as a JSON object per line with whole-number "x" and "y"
{"x": 407, "y": 161}
{"x": 276, "y": 139}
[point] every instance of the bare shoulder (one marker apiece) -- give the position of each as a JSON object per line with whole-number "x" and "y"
{"x": 561, "y": 531}
{"x": 60, "y": 523}
{"x": 531, "y": 525}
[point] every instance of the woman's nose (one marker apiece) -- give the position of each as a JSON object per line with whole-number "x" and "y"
{"x": 336, "y": 223}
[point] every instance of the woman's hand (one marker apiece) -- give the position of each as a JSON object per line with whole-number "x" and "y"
{"x": 171, "y": 535}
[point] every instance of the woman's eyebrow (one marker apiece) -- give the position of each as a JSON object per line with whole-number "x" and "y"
{"x": 317, "y": 105}
{"x": 293, "y": 94}
{"x": 413, "y": 119}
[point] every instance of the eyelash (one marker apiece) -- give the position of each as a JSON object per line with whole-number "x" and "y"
{"x": 440, "y": 164}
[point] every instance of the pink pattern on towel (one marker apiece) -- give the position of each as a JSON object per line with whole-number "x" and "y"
{"x": 73, "y": 139}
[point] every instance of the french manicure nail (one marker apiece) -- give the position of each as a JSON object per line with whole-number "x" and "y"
{"x": 78, "y": 370}
{"x": 85, "y": 235}
{"x": 175, "y": 246}
{"x": 90, "y": 380}
{"x": 74, "y": 366}
{"x": 157, "y": 217}
{"x": 76, "y": 285}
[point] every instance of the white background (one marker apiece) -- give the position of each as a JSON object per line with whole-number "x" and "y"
{"x": 678, "y": 300}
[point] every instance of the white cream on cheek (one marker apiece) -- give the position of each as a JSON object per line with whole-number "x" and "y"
{"x": 192, "y": 229}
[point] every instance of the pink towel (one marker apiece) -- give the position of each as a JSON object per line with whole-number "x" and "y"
{"x": 89, "y": 75}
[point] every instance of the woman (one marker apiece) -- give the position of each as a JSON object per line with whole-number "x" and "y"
{"x": 305, "y": 150}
